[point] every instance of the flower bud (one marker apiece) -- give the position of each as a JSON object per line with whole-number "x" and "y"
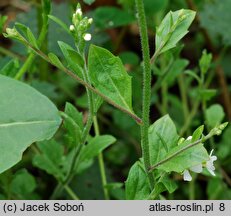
{"x": 72, "y": 27}
{"x": 87, "y": 37}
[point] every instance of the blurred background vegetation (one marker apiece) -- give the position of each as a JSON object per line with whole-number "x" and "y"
{"x": 175, "y": 90}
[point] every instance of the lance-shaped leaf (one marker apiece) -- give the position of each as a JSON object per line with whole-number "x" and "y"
{"x": 26, "y": 116}
{"x": 74, "y": 60}
{"x": 109, "y": 76}
{"x": 173, "y": 28}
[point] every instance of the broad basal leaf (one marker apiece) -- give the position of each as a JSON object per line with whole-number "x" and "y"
{"x": 173, "y": 28}
{"x": 109, "y": 76}
{"x": 26, "y": 117}
{"x": 137, "y": 185}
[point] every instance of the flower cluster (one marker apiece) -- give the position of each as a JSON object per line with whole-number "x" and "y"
{"x": 199, "y": 168}
{"x": 80, "y": 26}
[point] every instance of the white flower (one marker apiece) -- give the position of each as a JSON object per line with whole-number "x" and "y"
{"x": 209, "y": 164}
{"x": 189, "y": 138}
{"x": 79, "y": 12}
{"x": 72, "y": 27}
{"x": 187, "y": 176}
{"x": 90, "y": 21}
{"x": 87, "y": 37}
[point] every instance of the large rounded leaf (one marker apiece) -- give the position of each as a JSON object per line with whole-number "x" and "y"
{"x": 26, "y": 116}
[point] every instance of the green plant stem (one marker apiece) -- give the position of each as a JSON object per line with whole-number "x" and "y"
{"x": 25, "y": 66}
{"x": 183, "y": 94}
{"x": 211, "y": 134}
{"x": 192, "y": 189}
{"x": 31, "y": 57}
{"x": 42, "y": 65}
{"x": 74, "y": 76}
{"x": 164, "y": 93}
{"x": 146, "y": 89}
{"x": 71, "y": 193}
{"x": 101, "y": 163}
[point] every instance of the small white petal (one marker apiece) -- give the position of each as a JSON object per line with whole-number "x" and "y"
{"x": 209, "y": 164}
{"x": 72, "y": 27}
{"x": 211, "y": 171}
{"x": 189, "y": 138}
{"x": 187, "y": 176}
{"x": 79, "y": 12}
{"x": 90, "y": 21}
{"x": 87, "y": 37}
{"x": 197, "y": 169}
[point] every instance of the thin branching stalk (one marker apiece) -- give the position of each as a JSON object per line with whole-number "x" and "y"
{"x": 101, "y": 163}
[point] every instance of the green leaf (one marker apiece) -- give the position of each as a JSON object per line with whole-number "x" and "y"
{"x": 74, "y": 114}
{"x": 186, "y": 159}
{"x": 172, "y": 29}
{"x": 55, "y": 61}
{"x": 108, "y": 75}
{"x": 96, "y": 146}
{"x": 31, "y": 38}
{"x": 197, "y": 133}
{"x": 11, "y": 68}
{"x": 176, "y": 69}
{"x": 112, "y": 17}
{"x": 162, "y": 136}
{"x": 164, "y": 184}
{"x": 137, "y": 185}
{"x": 28, "y": 117}
{"x": 163, "y": 133}
{"x": 214, "y": 115}
{"x": 50, "y": 159}
{"x": 23, "y": 184}
{"x": 74, "y": 60}
{"x": 60, "y": 23}
{"x": 89, "y": 2}
{"x": 207, "y": 94}
{"x": 205, "y": 61}
{"x": 74, "y": 124}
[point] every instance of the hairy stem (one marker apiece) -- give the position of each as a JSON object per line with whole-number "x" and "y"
{"x": 146, "y": 88}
